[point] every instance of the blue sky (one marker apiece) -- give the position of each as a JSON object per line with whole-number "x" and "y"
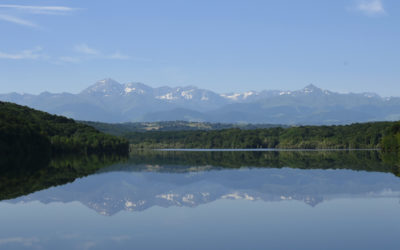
{"x": 225, "y": 46}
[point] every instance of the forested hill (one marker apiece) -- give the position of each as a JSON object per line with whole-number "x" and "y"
{"x": 373, "y": 135}
{"x": 25, "y": 131}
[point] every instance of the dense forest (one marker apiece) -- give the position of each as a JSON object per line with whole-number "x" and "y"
{"x": 391, "y": 140}
{"x": 128, "y": 127}
{"x": 354, "y": 136}
{"x": 30, "y": 133}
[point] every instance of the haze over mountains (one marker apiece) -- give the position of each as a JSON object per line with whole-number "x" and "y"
{"x": 110, "y": 101}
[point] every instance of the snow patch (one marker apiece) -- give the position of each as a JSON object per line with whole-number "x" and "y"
{"x": 128, "y": 90}
{"x": 237, "y": 196}
{"x": 169, "y": 197}
{"x": 234, "y": 196}
{"x": 188, "y": 199}
{"x": 247, "y": 94}
{"x": 232, "y": 97}
{"x": 187, "y": 94}
{"x": 204, "y": 98}
{"x": 168, "y": 96}
{"x": 129, "y": 204}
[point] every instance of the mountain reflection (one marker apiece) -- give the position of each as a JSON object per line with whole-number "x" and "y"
{"x": 190, "y": 179}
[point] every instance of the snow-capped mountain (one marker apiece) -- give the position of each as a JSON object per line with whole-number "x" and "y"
{"x": 110, "y": 101}
{"x": 111, "y": 88}
{"x": 111, "y": 192}
{"x": 106, "y": 87}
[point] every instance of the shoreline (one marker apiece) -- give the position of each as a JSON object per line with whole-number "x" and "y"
{"x": 260, "y": 149}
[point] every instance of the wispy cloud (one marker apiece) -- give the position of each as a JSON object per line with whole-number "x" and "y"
{"x": 70, "y": 59}
{"x": 16, "y": 20}
{"x": 118, "y": 55}
{"x": 12, "y": 12}
{"x": 38, "y": 9}
{"x": 25, "y": 54}
{"x": 27, "y": 242}
{"x": 88, "y": 245}
{"x": 121, "y": 238}
{"x": 85, "y": 49}
{"x": 371, "y": 7}
{"x": 86, "y": 52}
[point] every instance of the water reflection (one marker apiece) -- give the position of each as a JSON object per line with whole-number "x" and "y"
{"x": 190, "y": 179}
{"x": 179, "y": 161}
{"x": 24, "y": 176}
{"x": 189, "y": 200}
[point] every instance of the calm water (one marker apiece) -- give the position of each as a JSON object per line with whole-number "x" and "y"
{"x": 205, "y": 200}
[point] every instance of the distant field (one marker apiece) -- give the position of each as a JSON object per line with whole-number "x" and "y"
{"x": 124, "y": 128}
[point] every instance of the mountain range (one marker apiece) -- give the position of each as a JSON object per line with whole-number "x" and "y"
{"x": 110, "y": 101}
{"x": 135, "y": 190}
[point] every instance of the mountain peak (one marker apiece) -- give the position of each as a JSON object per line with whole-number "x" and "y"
{"x": 311, "y": 88}
{"x": 107, "y": 81}
{"x": 137, "y": 88}
{"x": 105, "y": 87}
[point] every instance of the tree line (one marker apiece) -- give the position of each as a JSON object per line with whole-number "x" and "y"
{"x": 128, "y": 127}
{"x": 391, "y": 141}
{"x": 371, "y": 135}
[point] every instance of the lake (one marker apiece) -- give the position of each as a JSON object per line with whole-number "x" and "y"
{"x": 204, "y": 200}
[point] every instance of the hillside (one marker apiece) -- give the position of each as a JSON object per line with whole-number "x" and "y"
{"x": 26, "y": 132}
